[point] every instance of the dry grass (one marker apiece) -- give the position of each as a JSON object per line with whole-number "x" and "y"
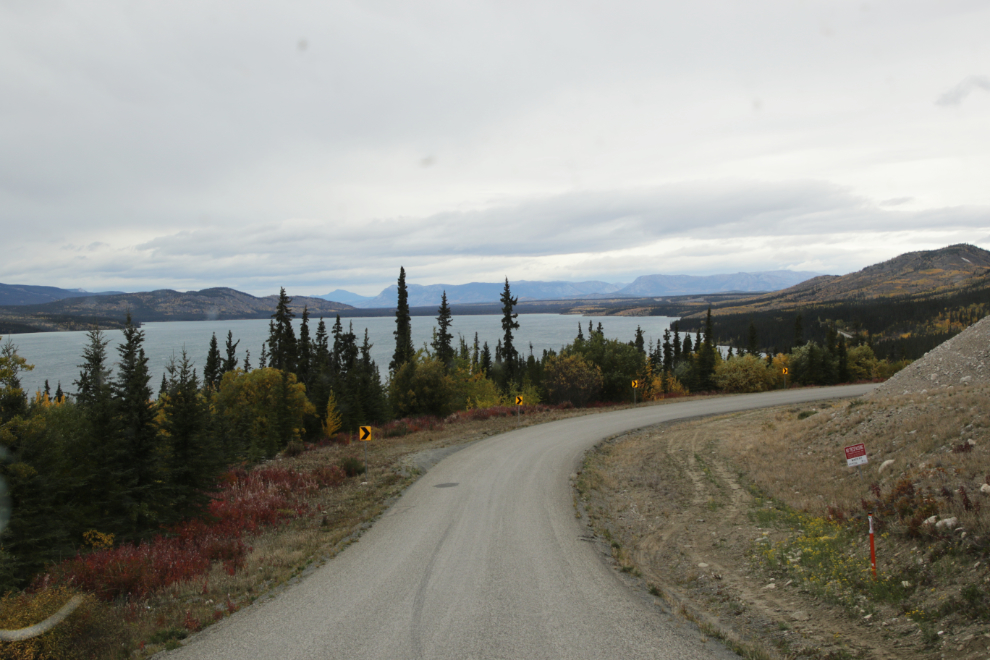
{"x": 938, "y": 443}
{"x": 765, "y": 498}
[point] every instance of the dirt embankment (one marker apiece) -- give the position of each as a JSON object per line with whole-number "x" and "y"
{"x": 753, "y": 525}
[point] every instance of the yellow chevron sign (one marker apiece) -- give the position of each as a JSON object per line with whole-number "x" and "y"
{"x": 364, "y": 433}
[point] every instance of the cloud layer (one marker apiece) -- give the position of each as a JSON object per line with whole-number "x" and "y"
{"x": 317, "y": 146}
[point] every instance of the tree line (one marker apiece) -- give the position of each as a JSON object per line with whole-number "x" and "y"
{"x": 112, "y": 458}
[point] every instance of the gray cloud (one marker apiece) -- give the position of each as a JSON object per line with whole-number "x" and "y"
{"x": 187, "y": 144}
{"x": 957, "y": 94}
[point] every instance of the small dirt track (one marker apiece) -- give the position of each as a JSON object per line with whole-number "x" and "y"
{"x": 483, "y": 558}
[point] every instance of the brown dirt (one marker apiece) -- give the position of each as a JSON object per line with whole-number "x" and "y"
{"x": 675, "y": 509}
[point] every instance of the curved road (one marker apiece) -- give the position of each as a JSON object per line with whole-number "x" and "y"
{"x": 491, "y": 567}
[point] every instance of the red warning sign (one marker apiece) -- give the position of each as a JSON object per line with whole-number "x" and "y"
{"x": 856, "y": 455}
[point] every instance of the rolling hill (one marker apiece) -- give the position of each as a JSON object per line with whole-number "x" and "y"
{"x": 161, "y": 305}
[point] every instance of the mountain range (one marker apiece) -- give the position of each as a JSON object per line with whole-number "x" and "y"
{"x": 161, "y": 305}
{"x": 526, "y": 290}
{"x": 28, "y": 294}
{"x": 910, "y": 275}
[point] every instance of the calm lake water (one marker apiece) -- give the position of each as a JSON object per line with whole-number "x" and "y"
{"x": 56, "y": 355}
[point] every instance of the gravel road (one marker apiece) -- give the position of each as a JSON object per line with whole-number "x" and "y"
{"x": 483, "y": 558}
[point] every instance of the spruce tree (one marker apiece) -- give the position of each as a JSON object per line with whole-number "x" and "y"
{"x": 508, "y": 325}
{"x": 441, "y": 342}
{"x": 486, "y": 359}
{"x": 58, "y": 392}
{"x": 403, "y": 327}
{"x": 282, "y": 346}
{"x": 139, "y": 461}
{"x": 752, "y": 345}
{"x": 93, "y": 385}
{"x": 304, "y": 360}
{"x": 193, "y": 460}
{"x": 247, "y": 361}
{"x": 843, "y": 359}
{"x": 706, "y": 356}
{"x": 668, "y": 353}
{"x": 639, "y": 342}
{"x": 230, "y": 362}
{"x": 214, "y": 365}
{"x": 580, "y": 334}
{"x": 677, "y": 343}
{"x": 475, "y": 354}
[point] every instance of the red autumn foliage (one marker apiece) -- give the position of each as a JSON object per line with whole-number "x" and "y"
{"x": 246, "y": 502}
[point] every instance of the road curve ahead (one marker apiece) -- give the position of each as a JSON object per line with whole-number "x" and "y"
{"x": 481, "y": 558}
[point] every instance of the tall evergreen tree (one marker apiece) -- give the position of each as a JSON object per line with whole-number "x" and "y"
{"x": 282, "y": 346}
{"x": 639, "y": 342}
{"x": 230, "y": 362}
{"x": 668, "y": 353}
{"x": 580, "y": 334}
{"x": 475, "y": 354}
{"x": 403, "y": 327}
{"x": 304, "y": 359}
{"x": 193, "y": 461}
{"x": 247, "y": 361}
{"x": 706, "y": 356}
{"x": 214, "y": 365}
{"x": 441, "y": 342}
{"x": 843, "y": 359}
{"x": 677, "y": 343}
{"x": 508, "y": 325}
{"x": 486, "y": 359}
{"x": 93, "y": 384}
{"x": 140, "y": 464}
{"x": 752, "y": 344}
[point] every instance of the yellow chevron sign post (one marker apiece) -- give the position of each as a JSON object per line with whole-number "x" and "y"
{"x": 519, "y": 402}
{"x": 635, "y": 386}
{"x": 364, "y": 434}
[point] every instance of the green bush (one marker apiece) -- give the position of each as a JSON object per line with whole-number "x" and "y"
{"x": 351, "y": 466}
{"x": 746, "y": 373}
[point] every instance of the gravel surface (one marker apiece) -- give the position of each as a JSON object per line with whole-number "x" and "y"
{"x": 483, "y": 557}
{"x": 958, "y": 362}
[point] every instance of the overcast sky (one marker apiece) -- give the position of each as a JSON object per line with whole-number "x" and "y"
{"x": 320, "y": 145}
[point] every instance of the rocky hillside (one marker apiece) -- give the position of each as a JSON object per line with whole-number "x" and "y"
{"x": 913, "y": 274}
{"x": 961, "y": 361}
{"x": 166, "y": 305}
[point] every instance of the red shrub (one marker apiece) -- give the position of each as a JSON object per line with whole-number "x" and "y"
{"x": 246, "y": 502}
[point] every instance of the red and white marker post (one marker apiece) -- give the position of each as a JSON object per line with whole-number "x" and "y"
{"x": 873, "y": 551}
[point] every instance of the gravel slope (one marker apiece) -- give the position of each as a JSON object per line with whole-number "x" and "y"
{"x": 958, "y": 362}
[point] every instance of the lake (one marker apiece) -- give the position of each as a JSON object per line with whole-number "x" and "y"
{"x": 56, "y": 355}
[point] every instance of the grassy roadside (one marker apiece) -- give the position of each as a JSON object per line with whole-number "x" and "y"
{"x": 752, "y": 525}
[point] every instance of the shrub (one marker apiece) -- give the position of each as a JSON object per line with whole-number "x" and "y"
{"x": 89, "y": 632}
{"x": 352, "y": 466}
{"x": 571, "y": 378}
{"x": 745, "y": 373}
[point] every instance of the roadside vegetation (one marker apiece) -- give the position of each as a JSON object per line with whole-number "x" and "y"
{"x": 159, "y": 507}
